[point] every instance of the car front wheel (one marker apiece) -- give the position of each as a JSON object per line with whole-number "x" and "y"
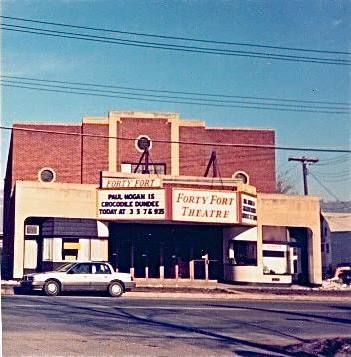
{"x": 115, "y": 289}
{"x": 52, "y": 288}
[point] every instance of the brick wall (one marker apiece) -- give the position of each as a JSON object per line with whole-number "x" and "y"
{"x": 95, "y": 152}
{"x": 33, "y": 151}
{"x": 258, "y": 163}
{"x": 155, "y": 129}
{"x": 65, "y": 153}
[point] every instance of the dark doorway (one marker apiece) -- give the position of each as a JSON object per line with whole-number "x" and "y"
{"x": 169, "y": 245}
{"x": 299, "y": 243}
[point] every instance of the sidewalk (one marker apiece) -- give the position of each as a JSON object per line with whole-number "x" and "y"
{"x": 213, "y": 289}
{"x": 153, "y": 288}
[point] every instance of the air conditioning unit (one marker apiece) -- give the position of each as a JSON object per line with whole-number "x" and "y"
{"x": 31, "y": 230}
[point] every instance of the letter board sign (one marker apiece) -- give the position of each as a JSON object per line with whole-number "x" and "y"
{"x": 248, "y": 209}
{"x": 131, "y": 204}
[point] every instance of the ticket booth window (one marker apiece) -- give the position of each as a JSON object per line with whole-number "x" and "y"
{"x": 242, "y": 253}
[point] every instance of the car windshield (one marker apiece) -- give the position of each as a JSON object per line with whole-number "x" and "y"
{"x": 64, "y": 267}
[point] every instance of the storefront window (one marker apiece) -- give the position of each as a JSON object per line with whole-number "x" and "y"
{"x": 242, "y": 253}
{"x": 48, "y": 248}
{"x": 70, "y": 248}
{"x": 63, "y": 249}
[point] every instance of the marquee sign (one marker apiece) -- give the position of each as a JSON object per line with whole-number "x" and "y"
{"x": 124, "y": 182}
{"x": 248, "y": 209}
{"x": 131, "y": 204}
{"x": 204, "y": 206}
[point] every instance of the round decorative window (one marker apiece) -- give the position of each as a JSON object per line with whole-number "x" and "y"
{"x": 142, "y": 143}
{"x": 242, "y": 176}
{"x": 47, "y": 175}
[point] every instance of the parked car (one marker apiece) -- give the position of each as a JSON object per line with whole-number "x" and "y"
{"x": 341, "y": 268}
{"x": 80, "y": 276}
{"x": 345, "y": 277}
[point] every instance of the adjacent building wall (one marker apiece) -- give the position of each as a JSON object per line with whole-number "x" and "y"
{"x": 340, "y": 248}
{"x": 295, "y": 211}
{"x": 336, "y": 241}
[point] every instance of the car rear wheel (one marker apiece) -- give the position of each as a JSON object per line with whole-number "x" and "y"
{"x": 115, "y": 289}
{"x": 52, "y": 288}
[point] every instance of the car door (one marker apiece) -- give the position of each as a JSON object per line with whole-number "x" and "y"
{"x": 100, "y": 277}
{"x": 78, "y": 277}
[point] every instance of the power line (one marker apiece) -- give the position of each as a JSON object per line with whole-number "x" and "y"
{"x": 182, "y": 48}
{"x": 334, "y": 178}
{"x": 110, "y": 40}
{"x": 334, "y": 173}
{"x": 40, "y": 80}
{"x": 212, "y": 144}
{"x": 337, "y": 160}
{"x": 175, "y": 37}
{"x": 207, "y": 100}
{"x": 325, "y": 187}
{"x": 189, "y": 101}
{"x": 341, "y": 179}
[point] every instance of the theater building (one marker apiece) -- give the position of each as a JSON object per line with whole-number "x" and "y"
{"x": 158, "y": 196}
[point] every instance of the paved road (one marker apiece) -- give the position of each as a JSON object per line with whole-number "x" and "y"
{"x": 102, "y": 326}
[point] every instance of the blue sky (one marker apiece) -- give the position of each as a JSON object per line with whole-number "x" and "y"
{"x": 313, "y": 24}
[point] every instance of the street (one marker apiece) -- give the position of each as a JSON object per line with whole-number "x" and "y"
{"x": 92, "y": 325}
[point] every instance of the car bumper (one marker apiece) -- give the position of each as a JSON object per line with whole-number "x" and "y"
{"x": 129, "y": 285}
{"x": 31, "y": 285}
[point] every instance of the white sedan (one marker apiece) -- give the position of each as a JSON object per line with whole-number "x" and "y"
{"x": 80, "y": 276}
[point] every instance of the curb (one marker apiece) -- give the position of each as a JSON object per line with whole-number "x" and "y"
{"x": 222, "y": 293}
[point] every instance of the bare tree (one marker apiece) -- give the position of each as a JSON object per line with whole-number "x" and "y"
{"x": 284, "y": 184}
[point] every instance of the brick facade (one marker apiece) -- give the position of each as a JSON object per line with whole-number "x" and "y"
{"x": 33, "y": 151}
{"x": 258, "y": 163}
{"x": 80, "y": 159}
{"x": 94, "y": 152}
{"x": 155, "y": 129}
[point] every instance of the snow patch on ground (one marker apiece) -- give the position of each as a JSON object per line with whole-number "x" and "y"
{"x": 335, "y": 284}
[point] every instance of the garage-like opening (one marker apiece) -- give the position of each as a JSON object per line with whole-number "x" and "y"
{"x": 299, "y": 245}
{"x": 169, "y": 251}
{"x": 285, "y": 252}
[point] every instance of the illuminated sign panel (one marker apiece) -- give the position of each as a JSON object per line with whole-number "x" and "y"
{"x": 131, "y": 204}
{"x": 204, "y": 206}
{"x": 117, "y": 182}
{"x": 248, "y": 209}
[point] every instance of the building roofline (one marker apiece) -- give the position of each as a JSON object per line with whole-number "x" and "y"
{"x": 240, "y": 128}
{"x": 52, "y": 124}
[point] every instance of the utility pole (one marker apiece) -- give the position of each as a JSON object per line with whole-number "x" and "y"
{"x": 304, "y": 160}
